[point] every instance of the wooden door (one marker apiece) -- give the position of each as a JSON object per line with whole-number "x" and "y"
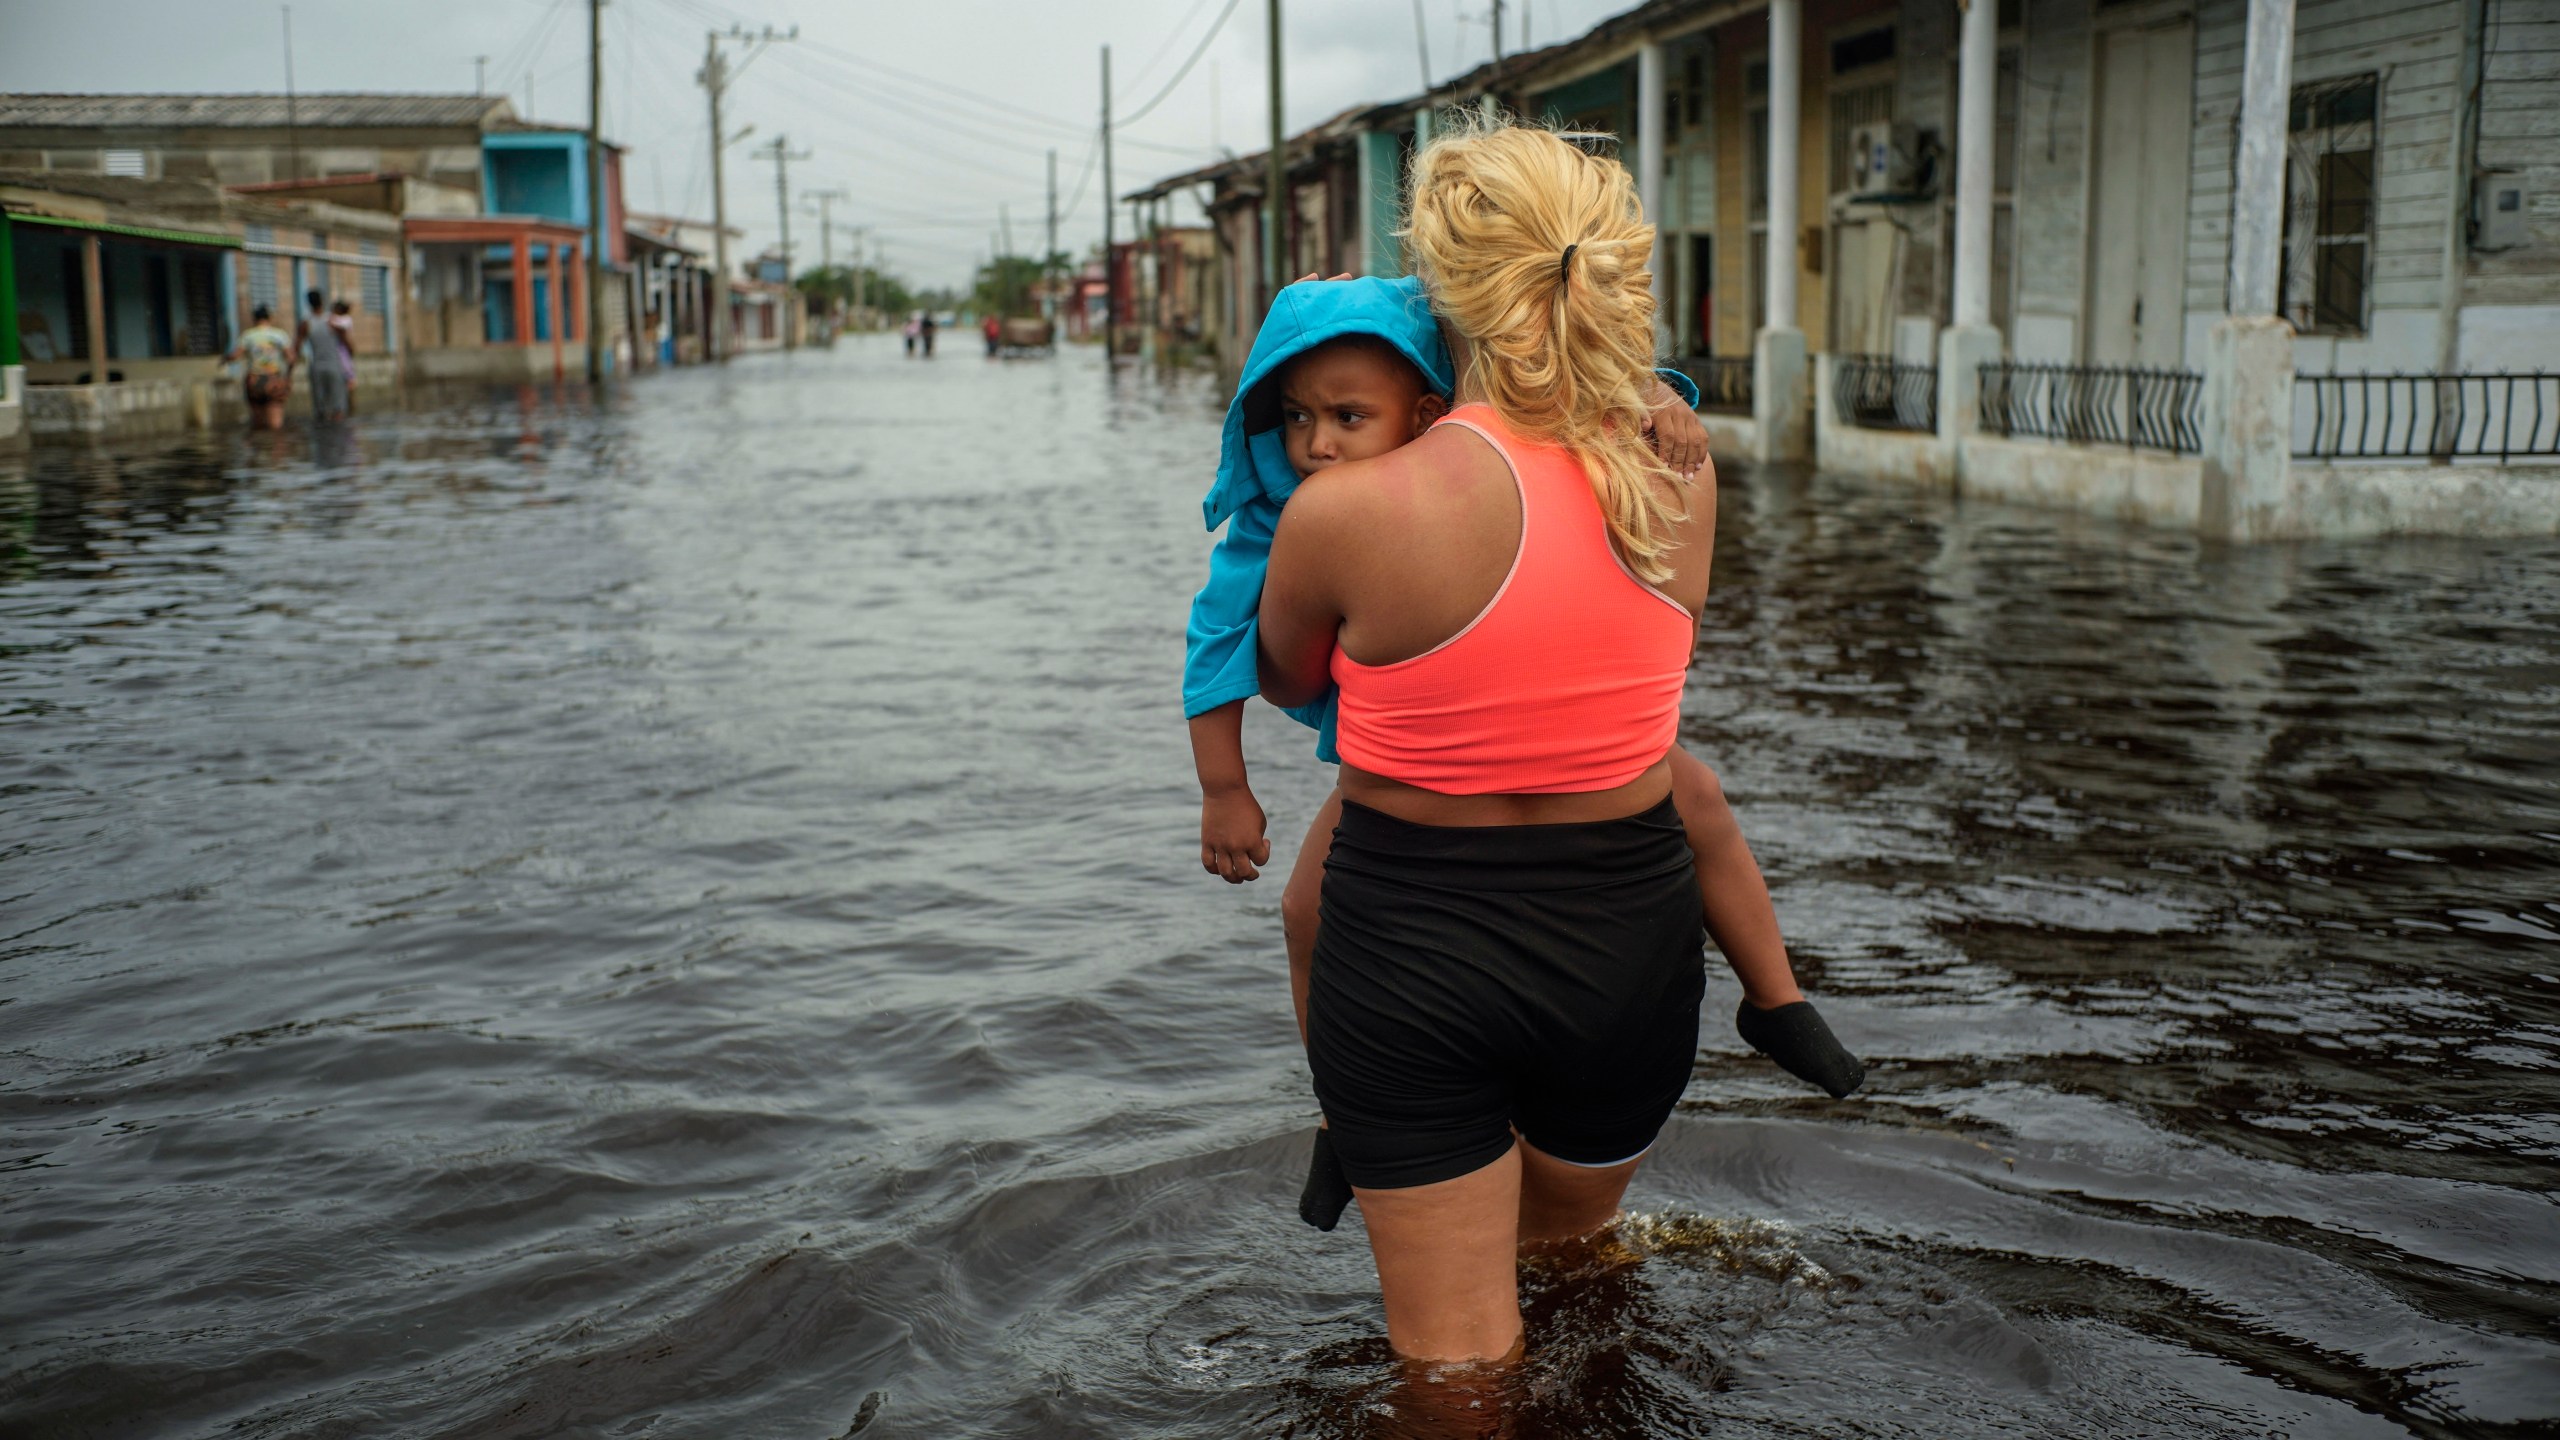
{"x": 2138, "y": 211}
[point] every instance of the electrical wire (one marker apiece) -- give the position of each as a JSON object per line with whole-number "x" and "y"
{"x": 1170, "y": 85}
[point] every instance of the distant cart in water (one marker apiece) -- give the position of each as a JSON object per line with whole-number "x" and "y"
{"x": 1027, "y": 335}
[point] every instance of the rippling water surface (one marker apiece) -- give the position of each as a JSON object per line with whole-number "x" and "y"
{"x": 677, "y": 916}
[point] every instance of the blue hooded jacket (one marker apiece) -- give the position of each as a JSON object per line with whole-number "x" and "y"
{"x": 1255, "y": 479}
{"x": 1222, "y": 662}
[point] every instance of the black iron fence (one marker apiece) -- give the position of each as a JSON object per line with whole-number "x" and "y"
{"x": 1878, "y": 392}
{"x": 2096, "y": 405}
{"x": 1723, "y": 385}
{"x": 2371, "y": 417}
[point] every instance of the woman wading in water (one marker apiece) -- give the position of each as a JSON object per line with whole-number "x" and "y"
{"x": 1504, "y": 998}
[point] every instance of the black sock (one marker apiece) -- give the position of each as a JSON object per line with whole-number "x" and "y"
{"x": 1328, "y": 1191}
{"x": 1795, "y": 1037}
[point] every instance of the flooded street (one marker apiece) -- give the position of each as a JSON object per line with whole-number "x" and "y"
{"x": 678, "y": 916}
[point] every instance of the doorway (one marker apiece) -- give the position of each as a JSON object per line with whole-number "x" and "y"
{"x": 2138, "y": 211}
{"x": 1700, "y": 322}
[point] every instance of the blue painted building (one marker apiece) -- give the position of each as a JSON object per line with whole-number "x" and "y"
{"x": 542, "y": 175}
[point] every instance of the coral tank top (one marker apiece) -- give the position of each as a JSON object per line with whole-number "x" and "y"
{"x": 1568, "y": 680}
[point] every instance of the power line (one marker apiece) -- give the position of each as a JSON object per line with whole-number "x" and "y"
{"x": 1172, "y": 34}
{"x": 1169, "y": 86}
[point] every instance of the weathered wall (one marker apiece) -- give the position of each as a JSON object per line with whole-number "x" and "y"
{"x": 2053, "y": 124}
{"x": 2122, "y": 485}
{"x": 2414, "y": 48}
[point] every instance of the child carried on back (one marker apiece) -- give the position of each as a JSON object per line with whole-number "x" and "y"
{"x": 1347, "y": 370}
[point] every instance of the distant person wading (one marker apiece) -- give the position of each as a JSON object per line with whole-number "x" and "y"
{"x": 325, "y": 355}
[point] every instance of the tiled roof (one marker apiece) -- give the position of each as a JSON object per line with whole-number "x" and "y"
{"x": 319, "y": 112}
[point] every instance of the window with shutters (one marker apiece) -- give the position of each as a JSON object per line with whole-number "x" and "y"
{"x": 376, "y": 287}
{"x": 2326, "y": 273}
{"x": 128, "y": 163}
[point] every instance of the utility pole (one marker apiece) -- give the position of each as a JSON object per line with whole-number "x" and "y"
{"x": 826, "y": 237}
{"x": 1049, "y": 256}
{"x": 1275, "y": 183}
{"x": 292, "y": 112}
{"x": 1110, "y": 271}
{"x": 858, "y": 272}
{"x": 781, "y": 154}
{"x": 480, "y": 75}
{"x": 1497, "y": 32}
{"x": 714, "y": 78}
{"x": 595, "y": 191}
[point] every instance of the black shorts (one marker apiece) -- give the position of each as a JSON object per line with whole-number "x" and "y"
{"x": 1470, "y": 980}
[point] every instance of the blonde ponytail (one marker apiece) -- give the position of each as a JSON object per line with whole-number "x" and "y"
{"x": 1537, "y": 253}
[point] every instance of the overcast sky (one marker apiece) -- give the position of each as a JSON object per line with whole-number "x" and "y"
{"x": 934, "y": 115}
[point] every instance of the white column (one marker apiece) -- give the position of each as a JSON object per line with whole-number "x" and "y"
{"x": 1650, "y": 121}
{"x": 1786, "y": 58}
{"x": 1978, "y": 78}
{"x": 2266, "y": 102}
{"x": 2248, "y": 491}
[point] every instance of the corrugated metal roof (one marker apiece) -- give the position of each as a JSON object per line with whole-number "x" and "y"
{"x": 319, "y": 112}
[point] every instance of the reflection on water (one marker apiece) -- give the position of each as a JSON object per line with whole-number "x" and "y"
{"x": 674, "y": 916}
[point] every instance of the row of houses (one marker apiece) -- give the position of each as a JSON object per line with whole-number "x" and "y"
{"x": 1815, "y": 168}
{"x": 138, "y": 233}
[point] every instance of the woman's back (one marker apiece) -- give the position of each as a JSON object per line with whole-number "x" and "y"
{"x": 1565, "y": 679}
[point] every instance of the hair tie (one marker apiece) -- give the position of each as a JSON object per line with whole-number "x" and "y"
{"x": 1564, "y": 272}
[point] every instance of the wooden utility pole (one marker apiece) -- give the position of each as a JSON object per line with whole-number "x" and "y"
{"x": 1049, "y": 256}
{"x": 1110, "y": 271}
{"x": 826, "y": 237}
{"x": 715, "y": 78}
{"x": 1497, "y": 32}
{"x": 292, "y": 110}
{"x": 595, "y": 191}
{"x": 781, "y": 154}
{"x": 1275, "y": 181}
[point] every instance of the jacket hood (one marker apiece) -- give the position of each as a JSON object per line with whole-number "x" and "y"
{"x": 1302, "y": 317}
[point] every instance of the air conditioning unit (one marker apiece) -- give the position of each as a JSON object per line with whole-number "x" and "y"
{"x": 1880, "y": 159}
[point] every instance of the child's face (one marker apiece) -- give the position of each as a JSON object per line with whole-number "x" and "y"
{"x": 1351, "y": 402}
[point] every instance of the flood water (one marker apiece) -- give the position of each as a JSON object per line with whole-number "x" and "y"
{"x": 678, "y": 916}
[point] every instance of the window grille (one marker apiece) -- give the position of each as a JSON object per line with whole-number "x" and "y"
{"x": 262, "y": 268}
{"x": 376, "y": 284}
{"x": 2325, "y": 279}
{"x": 126, "y": 162}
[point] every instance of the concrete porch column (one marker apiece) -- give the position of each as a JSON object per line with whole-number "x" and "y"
{"x": 1971, "y": 343}
{"x": 521, "y": 291}
{"x": 2248, "y": 377}
{"x": 93, "y": 306}
{"x": 1650, "y": 113}
{"x": 1781, "y": 397}
{"x": 551, "y": 297}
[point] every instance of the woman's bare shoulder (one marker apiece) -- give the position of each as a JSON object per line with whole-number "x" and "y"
{"x": 1359, "y": 493}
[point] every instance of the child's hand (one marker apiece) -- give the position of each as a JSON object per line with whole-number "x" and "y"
{"x": 1232, "y": 842}
{"x": 1678, "y": 436}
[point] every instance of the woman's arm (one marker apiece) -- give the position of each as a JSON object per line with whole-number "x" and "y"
{"x": 1300, "y": 615}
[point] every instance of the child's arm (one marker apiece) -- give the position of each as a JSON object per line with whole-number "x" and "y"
{"x": 1232, "y": 842}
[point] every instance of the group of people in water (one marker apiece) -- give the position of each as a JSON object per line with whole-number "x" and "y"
{"x": 1466, "y": 537}
{"x": 919, "y": 332}
{"x": 322, "y": 340}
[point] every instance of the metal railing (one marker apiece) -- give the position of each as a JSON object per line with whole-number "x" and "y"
{"x": 2096, "y": 405}
{"x": 2426, "y": 417}
{"x": 1877, "y": 392}
{"x": 1723, "y": 385}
